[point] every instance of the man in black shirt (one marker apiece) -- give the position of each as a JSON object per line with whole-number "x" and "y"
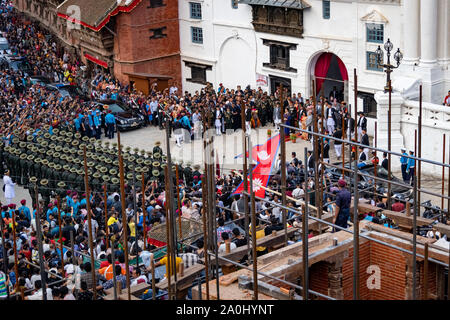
{"x": 343, "y": 199}
{"x": 384, "y": 163}
{"x": 238, "y": 239}
{"x": 326, "y": 151}
{"x": 338, "y": 144}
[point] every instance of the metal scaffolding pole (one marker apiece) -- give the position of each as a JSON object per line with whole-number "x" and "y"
{"x": 254, "y": 255}
{"x": 40, "y": 248}
{"x": 389, "y": 202}
{"x": 244, "y": 171}
{"x": 283, "y": 163}
{"x": 305, "y": 234}
{"x": 414, "y": 258}
{"x": 419, "y": 164}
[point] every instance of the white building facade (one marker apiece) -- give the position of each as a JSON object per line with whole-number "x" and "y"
{"x": 268, "y": 42}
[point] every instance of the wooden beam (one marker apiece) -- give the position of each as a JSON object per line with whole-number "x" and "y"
{"x": 185, "y": 281}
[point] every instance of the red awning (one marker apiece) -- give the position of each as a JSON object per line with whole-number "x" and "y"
{"x": 102, "y": 63}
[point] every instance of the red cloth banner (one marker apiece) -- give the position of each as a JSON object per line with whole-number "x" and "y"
{"x": 102, "y": 63}
{"x": 321, "y": 69}
{"x": 342, "y": 69}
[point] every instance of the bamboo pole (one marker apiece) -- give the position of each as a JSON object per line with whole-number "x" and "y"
{"x": 178, "y": 202}
{"x": 283, "y": 163}
{"x": 205, "y": 229}
{"x": 144, "y": 211}
{"x": 16, "y": 264}
{"x": 88, "y": 205}
{"x": 169, "y": 249}
{"x": 58, "y": 199}
{"x": 105, "y": 199}
{"x": 443, "y": 171}
{"x": 40, "y": 249}
{"x": 254, "y": 254}
{"x": 305, "y": 235}
{"x": 124, "y": 216}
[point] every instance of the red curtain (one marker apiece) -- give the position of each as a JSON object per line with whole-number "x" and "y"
{"x": 343, "y": 69}
{"x": 321, "y": 69}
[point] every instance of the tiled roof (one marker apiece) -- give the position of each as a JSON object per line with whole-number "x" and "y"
{"x": 294, "y": 4}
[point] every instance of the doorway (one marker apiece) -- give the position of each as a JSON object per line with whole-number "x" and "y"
{"x": 331, "y": 77}
{"x": 275, "y": 82}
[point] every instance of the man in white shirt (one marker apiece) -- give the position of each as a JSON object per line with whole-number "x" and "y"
{"x": 297, "y": 193}
{"x": 226, "y": 239}
{"x": 37, "y": 295}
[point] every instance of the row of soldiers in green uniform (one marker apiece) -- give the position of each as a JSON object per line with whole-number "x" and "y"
{"x": 55, "y": 162}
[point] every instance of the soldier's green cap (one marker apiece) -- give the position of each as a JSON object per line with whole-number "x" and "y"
{"x": 56, "y": 130}
{"x": 132, "y": 158}
{"x": 96, "y": 175}
{"x": 30, "y": 138}
{"x": 79, "y": 171}
{"x": 73, "y": 150}
{"x": 130, "y": 166}
{"x": 112, "y": 151}
{"x": 155, "y": 173}
{"x": 90, "y": 147}
{"x": 113, "y": 172}
{"x": 70, "y": 135}
{"x": 37, "y": 160}
{"x": 140, "y": 161}
{"x": 58, "y": 148}
{"x": 44, "y": 161}
{"x": 81, "y": 145}
{"x": 114, "y": 144}
{"x": 85, "y": 138}
{"x": 89, "y": 154}
{"x": 115, "y": 180}
{"x": 7, "y": 148}
{"x": 15, "y": 140}
{"x": 142, "y": 152}
{"x": 125, "y": 156}
{"x": 69, "y": 159}
{"x": 51, "y": 165}
{"x": 23, "y": 156}
{"x": 68, "y": 140}
{"x": 102, "y": 169}
{"x": 77, "y": 135}
{"x": 30, "y": 157}
{"x": 47, "y": 135}
{"x": 130, "y": 176}
{"x": 53, "y": 138}
{"x": 58, "y": 167}
{"x": 62, "y": 132}
{"x": 148, "y": 162}
{"x": 73, "y": 170}
{"x": 116, "y": 162}
{"x": 44, "y": 143}
{"x": 106, "y": 178}
{"x": 174, "y": 168}
{"x": 164, "y": 165}
{"x": 144, "y": 169}
{"x": 66, "y": 167}
{"x": 164, "y": 158}
{"x": 22, "y": 144}
{"x": 108, "y": 160}
{"x": 157, "y": 155}
{"x": 156, "y": 163}
{"x": 139, "y": 177}
{"x": 92, "y": 140}
{"x": 149, "y": 153}
{"x": 44, "y": 182}
{"x": 61, "y": 184}
{"x": 63, "y": 156}
{"x": 56, "y": 155}
{"x": 39, "y": 139}
{"x": 50, "y": 152}
{"x": 107, "y": 143}
{"x": 94, "y": 156}
{"x": 128, "y": 148}
{"x": 90, "y": 164}
{"x": 33, "y": 179}
{"x": 60, "y": 139}
{"x": 80, "y": 152}
{"x": 138, "y": 169}
{"x": 34, "y": 149}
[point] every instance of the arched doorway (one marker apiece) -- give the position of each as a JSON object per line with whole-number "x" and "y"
{"x": 330, "y": 75}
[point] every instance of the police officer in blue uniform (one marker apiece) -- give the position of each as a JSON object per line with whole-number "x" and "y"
{"x": 404, "y": 163}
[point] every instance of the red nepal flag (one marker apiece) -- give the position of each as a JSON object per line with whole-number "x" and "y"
{"x": 265, "y": 156}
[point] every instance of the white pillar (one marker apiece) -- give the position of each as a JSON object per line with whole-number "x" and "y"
{"x": 428, "y": 32}
{"x": 443, "y": 32}
{"x": 411, "y": 31}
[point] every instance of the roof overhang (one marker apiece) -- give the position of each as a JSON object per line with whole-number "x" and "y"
{"x": 93, "y": 15}
{"x": 292, "y": 4}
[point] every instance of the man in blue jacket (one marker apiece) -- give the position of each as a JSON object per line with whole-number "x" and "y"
{"x": 110, "y": 122}
{"x": 404, "y": 163}
{"x": 410, "y": 168}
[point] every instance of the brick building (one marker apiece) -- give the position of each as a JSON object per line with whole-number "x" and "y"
{"x": 137, "y": 40}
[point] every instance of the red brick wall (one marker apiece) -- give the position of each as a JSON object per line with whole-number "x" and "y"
{"x": 432, "y": 279}
{"x": 136, "y": 52}
{"x": 318, "y": 278}
{"x": 347, "y": 272}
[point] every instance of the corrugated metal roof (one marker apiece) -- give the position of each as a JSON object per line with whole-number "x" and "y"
{"x": 294, "y": 4}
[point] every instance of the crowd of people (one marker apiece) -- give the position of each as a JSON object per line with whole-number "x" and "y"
{"x": 43, "y": 135}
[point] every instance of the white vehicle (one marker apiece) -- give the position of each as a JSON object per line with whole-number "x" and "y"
{"x": 4, "y": 47}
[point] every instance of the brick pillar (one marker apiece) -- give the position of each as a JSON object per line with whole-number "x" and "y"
{"x": 335, "y": 288}
{"x": 409, "y": 278}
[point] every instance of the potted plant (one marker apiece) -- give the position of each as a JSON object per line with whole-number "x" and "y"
{"x": 293, "y": 137}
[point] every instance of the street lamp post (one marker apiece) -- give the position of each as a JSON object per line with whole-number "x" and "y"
{"x": 388, "y": 46}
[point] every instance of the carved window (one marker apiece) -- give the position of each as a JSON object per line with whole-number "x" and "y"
{"x": 278, "y": 16}
{"x": 158, "y": 33}
{"x": 279, "y": 55}
{"x": 369, "y": 104}
{"x": 375, "y": 32}
{"x": 156, "y": 3}
{"x": 198, "y": 72}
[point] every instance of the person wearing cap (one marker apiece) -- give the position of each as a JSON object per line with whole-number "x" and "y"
{"x": 25, "y": 210}
{"x": 410, "y": 168}
{"x": 343, "y": 199}
{"x": 8, "y": 187}
{"x": 404, "y": 164}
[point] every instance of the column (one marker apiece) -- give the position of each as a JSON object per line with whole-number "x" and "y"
{"x": 443, "y": 32}
{"x": 335, "y": 276}
{"x": 409, "y": 278}
{"x": 428, "y": 32}
{"x": 411, "y": 31}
